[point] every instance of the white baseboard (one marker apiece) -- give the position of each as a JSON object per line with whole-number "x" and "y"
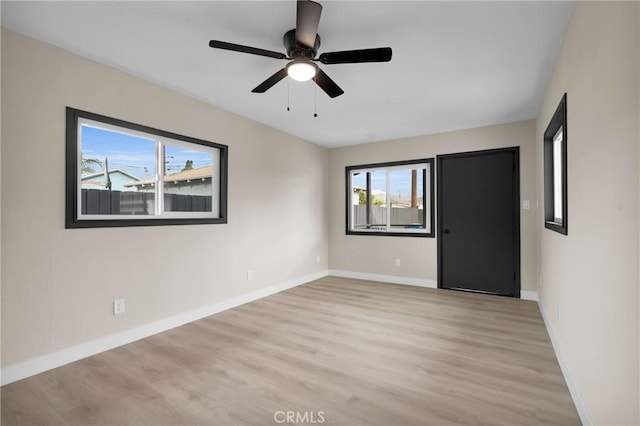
{"x": 578, "y": 400}
{"x": 59, "y": 358}
{"x": 529, "y": 295}
{"x": 418, "y": 282}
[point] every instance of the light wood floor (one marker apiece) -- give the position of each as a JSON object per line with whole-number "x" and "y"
{"x": 344, "y": 351}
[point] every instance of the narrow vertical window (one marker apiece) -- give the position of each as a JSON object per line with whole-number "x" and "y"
{"x": 557, "y": 177}
{"x": 555, "y": 170}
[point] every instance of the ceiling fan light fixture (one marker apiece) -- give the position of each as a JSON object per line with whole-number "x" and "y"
{"x": 301, "y": 70}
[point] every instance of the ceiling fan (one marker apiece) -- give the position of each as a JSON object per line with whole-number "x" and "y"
{"x": 302, "y": 45}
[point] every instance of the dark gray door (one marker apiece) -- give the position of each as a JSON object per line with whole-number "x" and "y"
{"x": 479, "y": 222}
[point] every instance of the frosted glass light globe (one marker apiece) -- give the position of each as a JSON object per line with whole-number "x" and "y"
{"x": 301, "y": 70}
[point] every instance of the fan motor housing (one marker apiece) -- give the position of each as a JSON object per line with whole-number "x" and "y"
{"x": 295, "y": 51}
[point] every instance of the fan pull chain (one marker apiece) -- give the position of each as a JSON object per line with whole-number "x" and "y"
{"x": 315, "y": 100}
{"x": 288, "y": 96}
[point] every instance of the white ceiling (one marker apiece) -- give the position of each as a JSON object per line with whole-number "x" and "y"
{"x": 455, "y": 65}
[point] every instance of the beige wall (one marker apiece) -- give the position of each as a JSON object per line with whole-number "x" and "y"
{"x": 589, "y": 278}
{"x": 376, "y": 255}
{"x": 58, "y": 285}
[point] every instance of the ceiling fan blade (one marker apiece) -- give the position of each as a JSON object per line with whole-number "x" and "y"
{"x": 246, "y": 49}
{"x": 307, "y": 20}
{"x": 328, "y": 85}
{"x": 271, "y": 81}
{"x": 380, "y": 54}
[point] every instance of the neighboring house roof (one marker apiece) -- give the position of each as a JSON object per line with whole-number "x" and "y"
{"x": 201, "y": 173}
{"x": 98, "y": 174}
{"x": 98, "y": 180}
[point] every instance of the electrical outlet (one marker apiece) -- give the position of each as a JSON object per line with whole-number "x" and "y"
{"x": 526, "y": 205}
{"x": 398, "y": 263}
{"x": 249, "y": 275}
{"x": 318, "y": 259}
{"x": 118, "y": 307}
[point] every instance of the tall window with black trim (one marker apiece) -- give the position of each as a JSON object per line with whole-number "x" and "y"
{"x": 555, "y": 170}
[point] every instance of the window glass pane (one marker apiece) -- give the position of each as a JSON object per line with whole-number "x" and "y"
{"x": 557, "y": 176}
{"x": 378, "y": 205}
{"x": 406, "y": 188}
{"x": 112, "y": 165}
{"x": 371, "y": 183}
{"x": 359, "y": 200}
{"x": 188, "y": 179}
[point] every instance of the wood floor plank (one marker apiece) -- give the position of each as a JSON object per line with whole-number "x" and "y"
{"x": 359, "y": 352}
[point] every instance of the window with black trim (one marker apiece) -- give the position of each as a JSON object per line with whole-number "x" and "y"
{"x": 125, "y": 174}
{"x": 555, "y": 170}
{"x": 393, "y": 198}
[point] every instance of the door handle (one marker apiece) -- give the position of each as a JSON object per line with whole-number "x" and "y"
{"x": 445, "y": 231}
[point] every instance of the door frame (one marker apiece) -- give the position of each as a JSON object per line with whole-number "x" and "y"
{"x": 515, "y": 209}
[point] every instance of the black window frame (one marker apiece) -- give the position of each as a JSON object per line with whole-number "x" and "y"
{"x": 558, "y": 121}
{"x": 430, "y": 186}
{"x": 72, "y": 219}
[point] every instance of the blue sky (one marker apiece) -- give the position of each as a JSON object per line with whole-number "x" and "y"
{"x": 400, "y": 183}
{"x": 134, "y": 154}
